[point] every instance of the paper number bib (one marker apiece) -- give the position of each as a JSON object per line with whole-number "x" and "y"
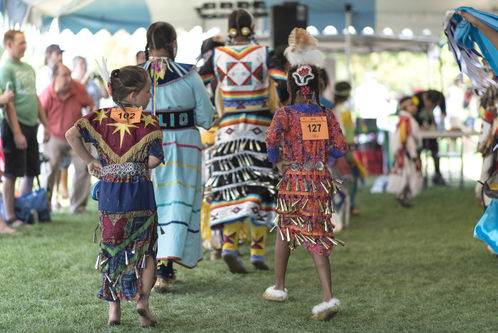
{"x": 314, "y": 128}
{"x": 131, "y": 116}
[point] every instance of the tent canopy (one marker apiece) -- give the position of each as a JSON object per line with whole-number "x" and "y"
{"x": 133, "y": 14}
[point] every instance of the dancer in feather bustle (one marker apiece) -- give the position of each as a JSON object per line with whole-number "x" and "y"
{"x": 310, "y": 133}
{"x": 128, "y": 144}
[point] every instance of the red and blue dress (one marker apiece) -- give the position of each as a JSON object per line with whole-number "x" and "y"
{"x": 127, "y": 208}
{"x": 304, "y": 199}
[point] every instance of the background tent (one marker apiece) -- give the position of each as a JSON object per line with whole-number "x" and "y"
{"x": 421, "y": 16}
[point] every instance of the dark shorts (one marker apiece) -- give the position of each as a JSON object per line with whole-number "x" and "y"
{"x": 20, "y": 163}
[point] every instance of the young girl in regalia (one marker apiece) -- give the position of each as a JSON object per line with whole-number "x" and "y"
{"x": 241, "y": 183}
{"x": 181, "y": 103}
{"x": 128, "y": 144}
{"x": 310, "y": 133}
{"x": 405, "y": 179}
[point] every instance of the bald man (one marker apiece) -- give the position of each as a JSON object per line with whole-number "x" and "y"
{"x": 63, "y": 101}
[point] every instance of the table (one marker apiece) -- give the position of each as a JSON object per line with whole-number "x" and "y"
{"x": 431, "y": 134}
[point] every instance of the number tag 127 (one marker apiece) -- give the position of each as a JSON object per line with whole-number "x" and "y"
{"x": 127, "y": 116}
{"x": 314, "y": 128}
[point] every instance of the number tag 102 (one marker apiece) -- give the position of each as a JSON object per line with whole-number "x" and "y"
{"x": 127, "y": 116}
{"x": 314, "y": 128}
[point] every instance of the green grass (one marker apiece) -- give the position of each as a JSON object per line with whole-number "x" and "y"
{"x": 415, "y": 270}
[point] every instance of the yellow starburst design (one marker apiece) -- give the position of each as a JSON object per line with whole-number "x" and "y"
{"x": 101, "y": 115}
{"x": 148, "y": 120}
{"x": 122, "y": 128}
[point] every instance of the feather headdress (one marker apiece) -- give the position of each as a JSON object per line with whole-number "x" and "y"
{"x": 302, "y": 49}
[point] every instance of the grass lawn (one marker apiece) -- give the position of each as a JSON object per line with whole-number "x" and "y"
{"x": 412, "y": 270}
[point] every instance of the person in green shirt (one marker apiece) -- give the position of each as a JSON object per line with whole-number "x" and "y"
{"x": 5, "y": 97}
{"x": 19, "y": 127}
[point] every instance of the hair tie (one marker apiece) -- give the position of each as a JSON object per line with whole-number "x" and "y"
{"x": 233, "y": 32}
{"x": 306, "y": 92}
{"x": 245, "y": 31}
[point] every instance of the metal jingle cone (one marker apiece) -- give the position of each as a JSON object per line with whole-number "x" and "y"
{"x": 142, "y": 266}
{"x": 279, "y": 184}
{"x": 325, "y": 187}
{"x": 325, "y": 226}
{"x": 276, "y": 222}
{"x": 251, "y": 145}
{"x": 293, "y": 206}
{"x": 305, "y": 203}
{"x": 287, "y": 188}
{"x": 297, "y": 240}
{"x": 332, "y": 209}
{"x": 320, "y": 205}
{"x": 281, "y": 234}
{"x": 327, "y": 210}
{"x": 309, "y": 227}
{"x": 340, "y": 242}
{"x": 113, "y": 294}
{"x": 97, "y": 263}
{"x": 108, "y": 278}
{"x": 297, "y": 185}
{"x": 288, "y": 235}
{"x": 305, "y": 185}
{"x": 324, "y": 244}
{"x": 258, "y": 147}
{"x": 328, "y": 183}
{"x": 161, "y": 230}
{"x": 116, "y": 281}
{"x": 137, "y": 274}
{"x": 243, "y": 144}
{"x": 293, "y": 221}
{"x": 126, "y": 258}
{"x": 313, "y": 186}
{"x": 103, "y": 262}
{"x": 273, "y": 228}
{"x": 332, "y": 240}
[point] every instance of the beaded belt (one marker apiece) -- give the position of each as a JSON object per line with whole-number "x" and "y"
{"x": 128, "y": 169}
{"x": 308, "y": 166}
{"x": 176, "y": 119}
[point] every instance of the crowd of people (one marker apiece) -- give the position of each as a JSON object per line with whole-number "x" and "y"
{"x": 280, "y": 155}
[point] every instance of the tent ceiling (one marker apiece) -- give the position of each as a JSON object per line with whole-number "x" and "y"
{"x": 131, "y": 14}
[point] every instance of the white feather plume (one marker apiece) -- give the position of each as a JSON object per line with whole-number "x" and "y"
{"x": 103, "y": 71}
{"x": 302, "y": 49}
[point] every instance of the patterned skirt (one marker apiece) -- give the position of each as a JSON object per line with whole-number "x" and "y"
{"x": 126, "y": 240}
{"x": 305, "y": 209}
{"x": 242, "y": 179}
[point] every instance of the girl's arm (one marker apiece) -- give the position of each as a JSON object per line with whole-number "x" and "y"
{"x": 153, "y": 162}
{"x": 75, "y": 140}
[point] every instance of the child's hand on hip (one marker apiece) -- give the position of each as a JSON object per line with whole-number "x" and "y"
{"x": 94, "y": 168}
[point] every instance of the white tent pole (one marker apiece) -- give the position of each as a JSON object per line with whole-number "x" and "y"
{"x": 347, "y": 39}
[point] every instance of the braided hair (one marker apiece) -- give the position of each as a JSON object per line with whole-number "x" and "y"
{"x": 313, "y": 84}
{"x": 160, "y": 35}
{"x": 127, "y": 80}
{"x": 239, "y": 19}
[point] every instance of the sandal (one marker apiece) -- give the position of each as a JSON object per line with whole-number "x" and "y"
{"x": 275, "y": 295}
{"x": 326, "y": 310}
{"x": 14, "y": 222}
